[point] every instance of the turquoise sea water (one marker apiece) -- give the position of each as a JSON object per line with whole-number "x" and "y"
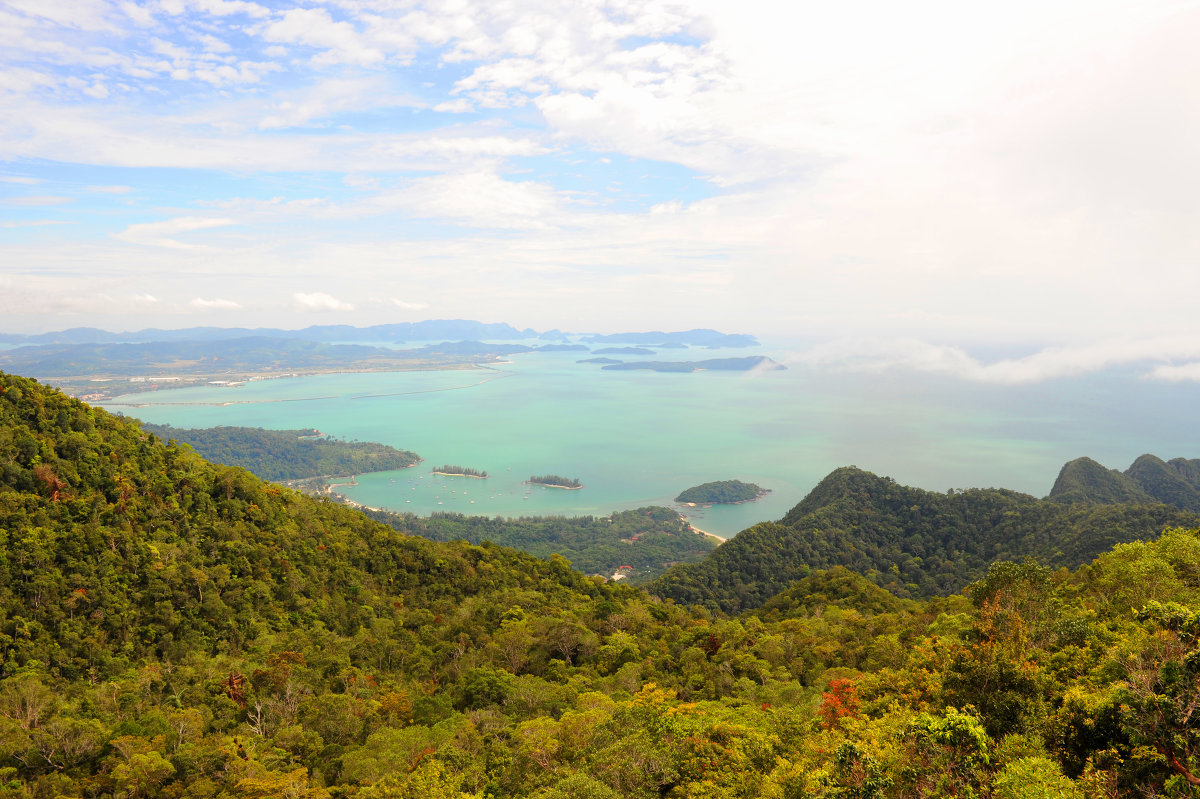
{"x": 639, "y": 438}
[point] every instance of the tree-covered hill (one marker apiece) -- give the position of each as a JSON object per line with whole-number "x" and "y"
{"x": 910, "y": 541}
{"x": 721, "y": 491}
{"x": 175, "y": 629}
{"x": 1149, "y": 479}
{"x": 1175, "y": 482}
{"x": 1084, "y": 480}
{"x": 286, "y": 454}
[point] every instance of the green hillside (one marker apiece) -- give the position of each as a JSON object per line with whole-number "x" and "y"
{"x": 910, "y": 541}
{"x": 1148, "y": 479}
{"x": 175, "y": 629}
{"x": 1175, "y": 482}
{"x": 1084, "y": 480}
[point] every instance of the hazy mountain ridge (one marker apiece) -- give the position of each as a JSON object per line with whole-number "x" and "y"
{"x": 398, "y": 332}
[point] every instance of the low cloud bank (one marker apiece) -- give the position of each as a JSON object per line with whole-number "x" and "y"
{"x": 876, "y": 355}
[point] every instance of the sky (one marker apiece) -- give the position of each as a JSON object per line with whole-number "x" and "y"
{"x": 890, "y": 182}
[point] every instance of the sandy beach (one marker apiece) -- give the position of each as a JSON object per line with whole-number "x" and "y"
{"x": 696, "y": 529}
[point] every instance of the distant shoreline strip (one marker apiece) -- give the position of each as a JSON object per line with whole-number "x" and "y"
{"x": 307, "y": 399}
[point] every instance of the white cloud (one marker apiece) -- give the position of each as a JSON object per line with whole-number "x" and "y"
{"x": 451, "y": 148}
{"x": 37, "y": 200}
{"x": 141, "y": 15}
{"x": 409, "y": 306}
{"x": 1176, "y": 373}
{"x": 332, "y": 96}
{"x": 110, "y": 189}
{"x": 161, "y": 234}
{"x": 479, "y": 199}
{"x": 1019, "y": 171}
{"x": 227, "y": 7}
{"x": 319, "y": 301}
{"x": 216, "y": 304}
{"x": 33, "y": 223}
{"x": 313, "y": 27}
{"x": 24, "y": 181}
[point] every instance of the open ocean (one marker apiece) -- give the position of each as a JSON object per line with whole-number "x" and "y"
{"x": 639, "y": 438}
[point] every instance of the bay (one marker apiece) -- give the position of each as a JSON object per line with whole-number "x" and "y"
{"x": 638, "y": 438}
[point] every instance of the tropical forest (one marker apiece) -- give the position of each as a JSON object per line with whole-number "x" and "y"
{"x": 174, "y": 627}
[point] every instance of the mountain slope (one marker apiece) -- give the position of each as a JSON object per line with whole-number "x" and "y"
{"x": 115, "y": 547}
{"x": 1149, "y": 479}
{"x": 171, "y": 629}
{"x": 1085, "y": 480}
{"x": 1175, "y": 482}
{"x": 911, "y": 541}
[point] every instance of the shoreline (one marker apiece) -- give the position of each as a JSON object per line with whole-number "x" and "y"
{"x": 461, "y": 474}
{"x": 696, "y": 529}
{"x": 337, "y": 496}
{"x": 552, "y": 485}
{"x": 73, "y": 385}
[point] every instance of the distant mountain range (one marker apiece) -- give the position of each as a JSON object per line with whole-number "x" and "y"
{"x": 697, "y": 338}
{"x": 84, "y": 352}
{"x": 400, "y": 332}
{"x": 433, "y": 330}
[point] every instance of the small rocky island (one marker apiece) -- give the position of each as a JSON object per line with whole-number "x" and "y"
{"x": 460, "y": 471}
{"x": 722, "y": 492}
{"x": 555, "y": 481}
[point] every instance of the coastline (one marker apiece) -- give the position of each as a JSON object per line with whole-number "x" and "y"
{"x": 696, "y": 529}
{"x": 552, "y": 485}
{"x": 461, "y": 474}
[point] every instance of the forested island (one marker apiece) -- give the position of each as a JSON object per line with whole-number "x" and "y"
{"x": 555, "y": 481}
{"x": 172, "y": 628}
{"x": 722, "y": 492}
{"x": 287, "y": 454}
{"x": 460, "y": 471}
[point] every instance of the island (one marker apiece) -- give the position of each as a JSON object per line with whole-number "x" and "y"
{"x": 624, "y": 351}
{"x": 460, "y": 471}
{"x": 562, "y": 348}
{"x": 555, "y": 481}
{"x": 701, "y": 338}
{"x": 722, "y": 492}
{"x": 748, "y": 364}
{"x": 599, "y": 360}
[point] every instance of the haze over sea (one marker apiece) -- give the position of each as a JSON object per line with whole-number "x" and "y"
{"x": 639, "y": 438}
